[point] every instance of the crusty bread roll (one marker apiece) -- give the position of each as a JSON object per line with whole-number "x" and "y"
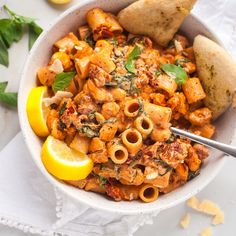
{"x": 217, "y": 73}
{"x": 158, "y": 19}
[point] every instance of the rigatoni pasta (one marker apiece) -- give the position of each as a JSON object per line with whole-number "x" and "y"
{"x": 117, "y": 103}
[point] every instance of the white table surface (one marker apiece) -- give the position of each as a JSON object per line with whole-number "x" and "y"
{"x": 222, "y": 190}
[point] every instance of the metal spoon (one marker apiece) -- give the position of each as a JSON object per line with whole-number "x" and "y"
{"x": 227, "y": 149}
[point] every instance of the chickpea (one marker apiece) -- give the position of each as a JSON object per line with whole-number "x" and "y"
{"x": 200, "y": 117}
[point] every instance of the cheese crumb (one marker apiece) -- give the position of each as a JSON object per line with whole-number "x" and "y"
{"x": 56, "y": 67}
{"x": 178, "y": 46}
{"x": 206, "y": 232}
{"x": 218, "y": 219}
{"x": 185, "y": 221}
{"x": 193, "y": 202}
{"x": 207, "y": 207}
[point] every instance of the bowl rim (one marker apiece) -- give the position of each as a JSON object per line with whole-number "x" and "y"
{"x": 55, "y": 182}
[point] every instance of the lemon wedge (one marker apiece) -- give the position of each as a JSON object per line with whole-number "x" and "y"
{"x": 64, "y": 162}
{"x": 37, "y": 112}
{"x": 60, "y": 1}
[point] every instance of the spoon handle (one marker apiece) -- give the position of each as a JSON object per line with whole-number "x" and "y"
{"x": 227, "y": 149}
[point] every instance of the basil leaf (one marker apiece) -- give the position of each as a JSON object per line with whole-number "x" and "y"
{"x": 130, "y": 63}
{"x": 3, "y": 86}
{"x": 9, "y": 99}
{"x": 34, "y": 29}
{"x": 176, "y": 72}
{"x": 3, "y": 53}
{"x": 17, "y": 18}
{"x": 34, "y": 32}
{"x": 10, "y": 31}
{"x": 62, "y": 80}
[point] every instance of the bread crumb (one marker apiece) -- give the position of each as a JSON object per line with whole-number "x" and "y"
{"x": 207, "y": 207}
{"x": 206, "y": 232}
{"x": 185, "y": 221}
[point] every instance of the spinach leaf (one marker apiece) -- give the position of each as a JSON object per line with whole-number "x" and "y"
{"x": 9, "y": 99}
{"x": 62, "y": 80}
{"x": 176, "y": 72}
{"x": 62, "y": 109}
{"x": 130, "y": 62}
{"x": 3, "y": 53}
{"x": 111, "y": 120}
{"x": 88, "y": 131}
{"x": 3, "y": 86}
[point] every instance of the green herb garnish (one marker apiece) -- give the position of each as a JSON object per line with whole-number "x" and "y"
{"x": 157, "y": 72}
{"x": 169, "y": 168}
{"x": 111, "y": 120}
{"x": 62, "y": 109}
{"x": 62, "y": 125}
{"x": 11, "y": 30}
{"x": 175, "y": 72}
{"x": 130, "y": 62}
{"x": 9, "y": 99}
{"x": 88, "y": 131}
{"x": 181, "y": 61}
{"x": 141, "y": 108}
{"x": 89, "y": 39}
{"x": 102, "y": 181}
{"x": 62, "y": 80}
{"x": 171, "y": 139}
{"x": 193, "y": 174}
{"x": 133, "y": 88}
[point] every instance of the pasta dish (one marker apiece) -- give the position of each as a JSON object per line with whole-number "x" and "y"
{"x": 112, "y": 97}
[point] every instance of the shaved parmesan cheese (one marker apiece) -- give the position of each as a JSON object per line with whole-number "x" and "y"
{"x": 206, "y": 232}
{"x": 178, "y": 46}
{"x": 218, "y": 219}
{"x": 57, "y": 98}
{"x": 56, "y": 67}
{"x": 207, "y": 207}
{"x": 193, "y": 202}
{"x": 185, "y": 221}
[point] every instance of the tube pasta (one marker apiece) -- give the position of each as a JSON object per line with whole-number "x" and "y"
{"x": 144, "y": 125}
{"x": 132, "y": 108}
{"x": 103, "y": 24}
{"x": 82, "y": 67}
{"x": 132, "y": 139}
{"x": 148, "y": 193}
{"x": 159, "y": 115}
{"x": 67, "y": 43}
{"x": 193, "y": 90}
{"x": 118, "y": 153}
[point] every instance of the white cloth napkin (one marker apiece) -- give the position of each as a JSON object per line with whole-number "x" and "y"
{"x": 28, "y": 202}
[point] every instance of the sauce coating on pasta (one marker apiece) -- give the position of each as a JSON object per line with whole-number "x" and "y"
{"x": 121, "y": 93}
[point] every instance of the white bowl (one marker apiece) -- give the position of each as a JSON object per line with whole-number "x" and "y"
{"x": 39, "y": 56}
